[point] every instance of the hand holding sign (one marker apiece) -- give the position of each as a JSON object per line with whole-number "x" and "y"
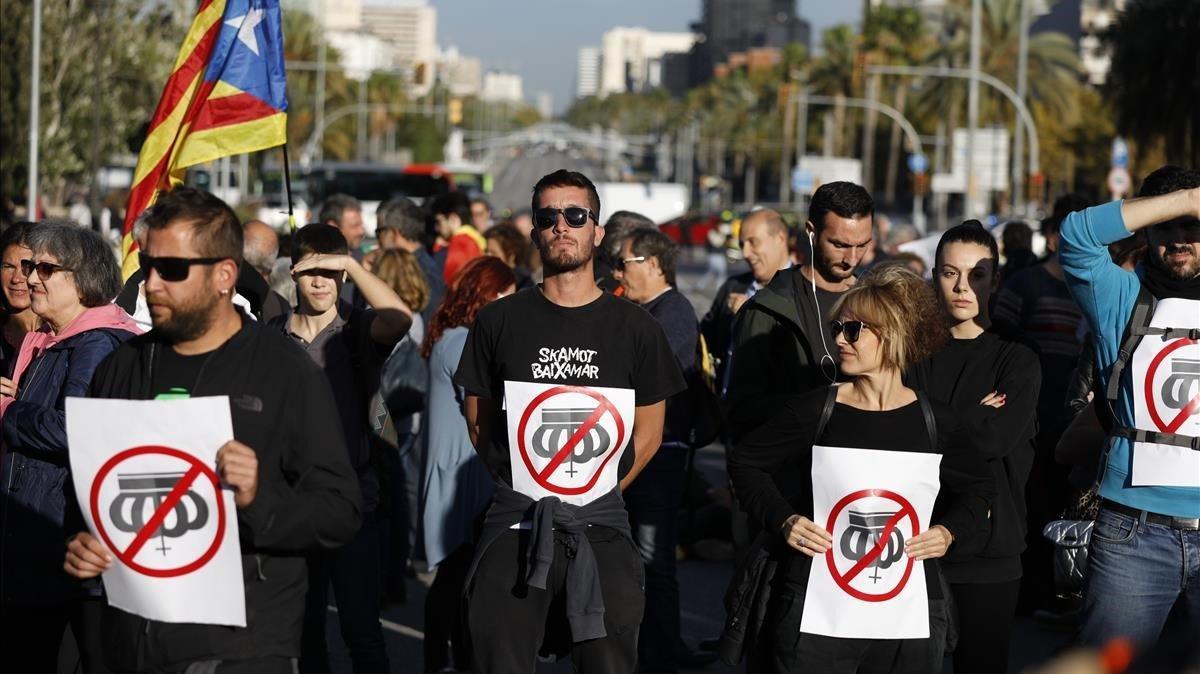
{"x": 806, "y": 536}
{"x": 157, "y": 482}
{"x": 86, "y": 557}
{"x": 237, "y": 465}
{"x": 929, "y": 544}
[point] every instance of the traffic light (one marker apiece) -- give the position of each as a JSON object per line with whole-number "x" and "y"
{"x": 1037, "y": 186}
{"x": 456, "y": 111}
{"x": 921, "y": 183}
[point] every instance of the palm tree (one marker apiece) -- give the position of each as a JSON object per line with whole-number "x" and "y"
{"x": 835, "y": 74}
{"x": 1053, "y": 73}
{"x": 1154, "y": 81}
{"x": 896, "y": 36}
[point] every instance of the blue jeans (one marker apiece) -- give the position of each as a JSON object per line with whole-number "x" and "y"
{"x": 1137, "y": 573}
{"x": 653, "y": 502}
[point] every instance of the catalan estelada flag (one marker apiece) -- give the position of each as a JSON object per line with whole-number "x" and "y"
{"x": 227, "y": 95}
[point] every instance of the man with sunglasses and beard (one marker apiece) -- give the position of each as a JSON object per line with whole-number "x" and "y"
{"x": 566, "y": 396}
{"x": 1143, "y": 581}
{"x": 294, "y": 487}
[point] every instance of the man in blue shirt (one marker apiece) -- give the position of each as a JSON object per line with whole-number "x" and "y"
{"x": 1143, "y": 559}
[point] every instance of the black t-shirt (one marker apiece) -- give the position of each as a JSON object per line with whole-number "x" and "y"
{"x": 174, "y": 375}
{"x": 771, "y": 468}
{"x": 526, "y": 338}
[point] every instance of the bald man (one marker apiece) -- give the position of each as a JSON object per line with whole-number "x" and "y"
{"x": 260, "y": 249}
{"x": 764, "y": 241}
{"x": 260, "y": 246}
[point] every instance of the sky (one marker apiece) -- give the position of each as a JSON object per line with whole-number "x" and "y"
{"x": 540, "y": 39}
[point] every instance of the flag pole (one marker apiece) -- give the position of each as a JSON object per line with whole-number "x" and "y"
{"x": 287, "y": 185}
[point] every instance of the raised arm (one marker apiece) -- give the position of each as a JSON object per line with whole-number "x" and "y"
{"x": 1147, "y": 211}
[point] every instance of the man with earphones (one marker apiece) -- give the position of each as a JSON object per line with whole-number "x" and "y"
{"x": 780, "y": 343}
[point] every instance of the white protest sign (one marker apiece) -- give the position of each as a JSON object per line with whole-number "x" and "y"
{"x": 1166, "y": 397}
{"x": 145, "y": 475}
{"x": 567, "y": 441}
{"x": 871, "y": 502}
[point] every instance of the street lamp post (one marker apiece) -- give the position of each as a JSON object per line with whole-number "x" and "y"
{"x": 1018, "y": 191}
{"x": 973, "y": 105}
{"x": 35, "y": 89}
{"x": 914, "y": 140}
{"x": 984, "y": 78}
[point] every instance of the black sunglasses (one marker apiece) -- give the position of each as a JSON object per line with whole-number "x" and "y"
{"x": 172, "y": 269}
{"x": 44, "y": 269}
{"x": 576, "y": 216}
{"x": 852, "y": 329}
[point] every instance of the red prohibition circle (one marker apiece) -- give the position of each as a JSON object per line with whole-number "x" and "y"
{"x": 909, "y": 512}
{"x": 541, "y": 398}
{"x": 1149, "y": 383}
{"x": 205, "y": 471}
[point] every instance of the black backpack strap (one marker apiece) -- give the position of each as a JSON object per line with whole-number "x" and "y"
{"x": 1175, "y": 439}
{"x": 1138, "y": 327}
{"x": 826, "y": 412}
{"x": 930, "y": 420}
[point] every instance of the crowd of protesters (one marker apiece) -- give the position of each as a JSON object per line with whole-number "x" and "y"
{"x": 379, "y": 399}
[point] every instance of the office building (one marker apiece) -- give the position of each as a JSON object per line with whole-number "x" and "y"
{"x": 631, "y": 58}
{"x": 587, "y": 72}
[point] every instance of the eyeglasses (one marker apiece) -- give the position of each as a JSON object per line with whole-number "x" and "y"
{"x": 852, "y": 329}
{"x": 576, "y": 216}
{"x": 173, "y": 269}
{"x": 44, "y": 269}
{"x": 621, "y": 262}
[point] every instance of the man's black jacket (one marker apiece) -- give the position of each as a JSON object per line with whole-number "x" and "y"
{"x": 307, "y": 498}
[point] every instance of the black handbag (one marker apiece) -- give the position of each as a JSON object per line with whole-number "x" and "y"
{"x": 405, "y": 379}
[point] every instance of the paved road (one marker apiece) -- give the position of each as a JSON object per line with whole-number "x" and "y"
{"x": 514, "y": 179}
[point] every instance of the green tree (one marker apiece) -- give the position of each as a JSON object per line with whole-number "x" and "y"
{"x": 837, "y": 73}
{"x": 1053, "y": 73}
{"x": 95, "y": 92}
{"x": 896, "y": 36}
{"x": 1154, "y": 82}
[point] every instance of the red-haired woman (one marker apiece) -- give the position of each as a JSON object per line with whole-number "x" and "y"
{"x": 455, "y": 485}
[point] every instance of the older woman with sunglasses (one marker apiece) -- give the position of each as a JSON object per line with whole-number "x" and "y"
{"x": 887, "y": 321}
{"x": 72, "y": 276}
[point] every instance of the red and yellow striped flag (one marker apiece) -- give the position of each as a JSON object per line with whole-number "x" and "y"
{"x": 226, "y": 95}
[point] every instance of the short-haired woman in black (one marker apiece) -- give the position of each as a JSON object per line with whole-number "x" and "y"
{"x": 992, "y": 386}
{"x": 888, "y": 320}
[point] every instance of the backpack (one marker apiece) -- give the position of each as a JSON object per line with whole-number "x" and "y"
{"x": 404, "y": 380}
{"x": 1137, "y": 328}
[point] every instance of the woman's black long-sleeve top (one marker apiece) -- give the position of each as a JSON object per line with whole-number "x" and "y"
{"x": 771, "y": 469}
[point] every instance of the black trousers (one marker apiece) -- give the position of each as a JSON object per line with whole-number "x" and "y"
{"x": 353, "y": 570}
{"x": 794, "y": 652}
{"x": 507, "y": 619}
{"x": 445, "y": 624}
{"x": 653, "y": 502}
{"x": 985, "y": 616}
{"x": 34, "y": 635}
